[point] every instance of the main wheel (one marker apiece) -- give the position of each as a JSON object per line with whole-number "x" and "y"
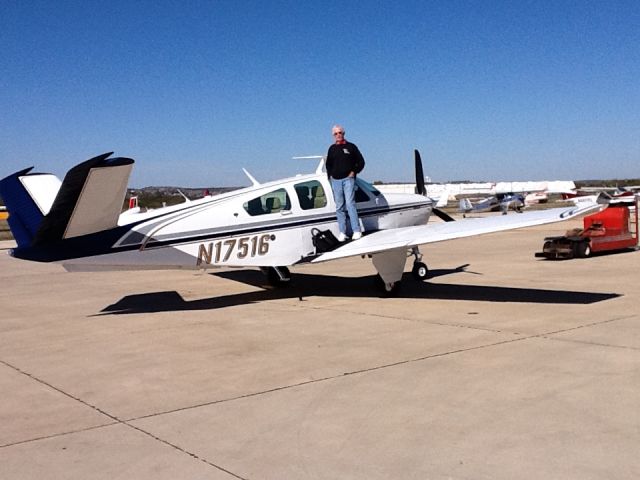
{"x": 420, "y": 271}
{"x": 278, "y": 276}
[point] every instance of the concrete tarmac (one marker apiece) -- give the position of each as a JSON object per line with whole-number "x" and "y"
{"x": 499, "y": 366}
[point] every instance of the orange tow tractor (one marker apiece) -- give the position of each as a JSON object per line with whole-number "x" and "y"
{"x": 614, "y": 228}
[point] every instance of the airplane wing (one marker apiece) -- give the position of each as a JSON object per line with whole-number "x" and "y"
{"x": 406, "y": 237}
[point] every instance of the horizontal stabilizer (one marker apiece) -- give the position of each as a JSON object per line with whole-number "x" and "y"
{"x": 89, "y": 200}
{"x": 28, "y": 198}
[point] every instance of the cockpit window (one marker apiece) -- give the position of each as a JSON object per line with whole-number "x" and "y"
{"x": 311, "y": 195}
{"x": 272, "y": 202}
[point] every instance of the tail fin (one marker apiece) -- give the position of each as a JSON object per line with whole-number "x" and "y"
{"x": 443, "y": 199}
{"x": 465, "y": 205}
{"x": 89, "y": 200}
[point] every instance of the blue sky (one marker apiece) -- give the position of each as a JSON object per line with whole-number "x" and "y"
{"x": 194, "y": 91}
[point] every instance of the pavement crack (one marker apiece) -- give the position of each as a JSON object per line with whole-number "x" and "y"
{"x": 59, "y": 390}
{"x": 522, "y": 337}
{"x": 405, "y": 319}
{"x": 549, "y": 335}
{"x": 184, "y": 451}
{"x": 587, "y": 325}
{"x": 116, "y": 421}
{"x": 61, "y": 434}
{"x": 595, "y": 344}
{"x": 329, "y": 378}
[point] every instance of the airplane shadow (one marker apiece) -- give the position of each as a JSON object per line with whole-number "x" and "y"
{"x": 310, "y": 285}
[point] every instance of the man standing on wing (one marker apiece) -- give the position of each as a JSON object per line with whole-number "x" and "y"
{"x": 344, "y": 162}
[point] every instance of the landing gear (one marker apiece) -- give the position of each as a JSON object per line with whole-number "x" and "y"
{"x": 277, "y": 276}
{"x": 420, "y": 270}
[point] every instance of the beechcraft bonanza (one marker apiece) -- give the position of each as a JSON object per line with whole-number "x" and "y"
{"x": 78, "y": 223}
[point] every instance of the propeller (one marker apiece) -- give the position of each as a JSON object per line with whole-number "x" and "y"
{"x": 422, "y": 190}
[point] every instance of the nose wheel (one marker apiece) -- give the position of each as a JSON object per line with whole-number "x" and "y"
{"x": 420, "y": 271}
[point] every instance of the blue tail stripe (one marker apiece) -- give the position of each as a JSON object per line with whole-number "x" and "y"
{"x": 25, "y": 217}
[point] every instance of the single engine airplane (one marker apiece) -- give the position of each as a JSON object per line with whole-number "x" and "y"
{"x": 487, "y": 204}
{"x": 513, "y": 201}
{"x": 79, "y": 223}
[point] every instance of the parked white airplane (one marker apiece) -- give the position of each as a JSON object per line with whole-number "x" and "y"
{"x": 78, "y": 223}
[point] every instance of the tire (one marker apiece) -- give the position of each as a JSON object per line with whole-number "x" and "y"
{"x": 275, "y": 280}
{"x": 420, "y": 271}
{"x": 584, "y": 249}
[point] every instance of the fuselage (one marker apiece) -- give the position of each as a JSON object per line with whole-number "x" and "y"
{"x": 270, "y": 224}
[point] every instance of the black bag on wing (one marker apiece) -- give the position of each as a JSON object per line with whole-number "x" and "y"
{"x": 324, "y": 240}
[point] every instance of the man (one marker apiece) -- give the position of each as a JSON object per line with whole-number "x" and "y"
{"x": 344, "y": 162}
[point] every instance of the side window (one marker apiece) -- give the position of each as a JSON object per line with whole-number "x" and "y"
{"x": 271, "y": 202}
{"x": 311, "y": 195}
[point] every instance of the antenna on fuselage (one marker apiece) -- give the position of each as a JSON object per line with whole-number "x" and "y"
{"x": 186, "y": 199}
{"x": 320, "y": 167}
{"x": 253, "y": 180}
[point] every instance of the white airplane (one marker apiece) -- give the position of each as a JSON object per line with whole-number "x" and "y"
{"x": 78, "y": 223}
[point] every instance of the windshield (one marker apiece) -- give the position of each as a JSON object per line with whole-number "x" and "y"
{"x": 367, "y": 187}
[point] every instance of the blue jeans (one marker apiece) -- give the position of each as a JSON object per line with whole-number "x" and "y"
{"x": 344, "y": 194}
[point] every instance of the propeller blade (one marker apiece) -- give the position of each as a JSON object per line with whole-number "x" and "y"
{"x": 420, "y": 188}
{"x": 443, "y": 215}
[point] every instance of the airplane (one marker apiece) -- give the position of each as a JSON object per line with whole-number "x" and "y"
{"x": 612, "y": 192}
{"x": 534, "y": 198}
{"x": 513, "y": 201}
{"x": 274, "y": 225}
{"x": 487, "y": 204}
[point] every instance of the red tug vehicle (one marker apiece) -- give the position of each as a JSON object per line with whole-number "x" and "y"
{"x": 614, "y": 228}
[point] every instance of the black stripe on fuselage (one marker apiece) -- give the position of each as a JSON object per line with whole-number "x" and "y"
{"x": 271, "y": 226}
{"x": 102, "y": 243}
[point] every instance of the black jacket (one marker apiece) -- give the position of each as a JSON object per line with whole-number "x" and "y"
{"x": 343, "y": 159}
